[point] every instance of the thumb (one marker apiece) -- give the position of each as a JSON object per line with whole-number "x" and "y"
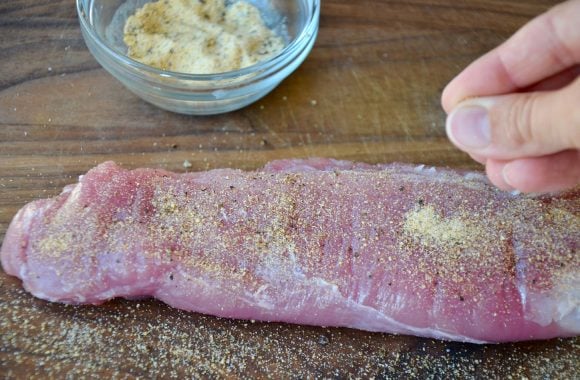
{"x": 518, "y": 125}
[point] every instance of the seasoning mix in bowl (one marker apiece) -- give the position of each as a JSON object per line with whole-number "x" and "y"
{"x": 200, "y": 56}
{"x": 200, "y": 37}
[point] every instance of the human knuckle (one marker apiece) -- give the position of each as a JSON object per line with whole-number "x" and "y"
{"x": 521, "y": 119}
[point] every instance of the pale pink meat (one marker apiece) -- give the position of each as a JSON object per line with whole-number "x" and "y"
{"x": 391, "y": 248}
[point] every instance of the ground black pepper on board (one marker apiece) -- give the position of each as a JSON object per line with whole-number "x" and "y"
{"x": 146, "y": 339}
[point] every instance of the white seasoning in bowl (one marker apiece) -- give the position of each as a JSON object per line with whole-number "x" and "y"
{"x": 199, "y": 36}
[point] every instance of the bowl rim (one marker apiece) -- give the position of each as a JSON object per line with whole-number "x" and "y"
{"x": 84, "y": 7}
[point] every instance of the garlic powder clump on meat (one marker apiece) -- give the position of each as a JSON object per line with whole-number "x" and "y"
{"x": 199, "y": 36}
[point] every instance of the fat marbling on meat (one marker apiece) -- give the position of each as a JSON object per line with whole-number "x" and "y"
{"x": 391, "y": 248}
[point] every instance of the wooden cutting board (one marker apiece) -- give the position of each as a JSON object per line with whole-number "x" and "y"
{"x": 369, "y": 91}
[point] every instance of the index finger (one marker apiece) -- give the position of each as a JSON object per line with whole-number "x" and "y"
{"x": 545, "y": 46}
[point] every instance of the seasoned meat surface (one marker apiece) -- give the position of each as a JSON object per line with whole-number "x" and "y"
{"x": 392, "y": 248}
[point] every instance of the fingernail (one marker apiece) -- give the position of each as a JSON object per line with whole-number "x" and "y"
{"x": 468, "y": 126}
{"x": 505, "y": 173}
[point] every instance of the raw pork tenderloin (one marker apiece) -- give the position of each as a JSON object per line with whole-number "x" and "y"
{"x": 392, "y": 248}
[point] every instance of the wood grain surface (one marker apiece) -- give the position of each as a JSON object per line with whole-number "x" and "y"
{"x": 369, "y": 91}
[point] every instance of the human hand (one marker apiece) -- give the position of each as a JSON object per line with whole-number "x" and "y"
{"x": 517, "y": 109}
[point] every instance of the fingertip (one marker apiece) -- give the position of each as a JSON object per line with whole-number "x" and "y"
{"x": 476, "y": 157}
{"x": 521, "y": 176}
{"x": 494, "y": 170}
{"x": 447, "y": 97}
{"x": 552, "y": 173}
{"x": 454, "y": 92}
{"x": 468, "y": 126}
{"x": 482, "y": 78}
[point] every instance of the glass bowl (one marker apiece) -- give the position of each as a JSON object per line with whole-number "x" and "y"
{"x": 102, "y": 23}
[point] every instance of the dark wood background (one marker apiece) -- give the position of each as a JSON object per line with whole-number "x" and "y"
{"x": 369, "y": 91}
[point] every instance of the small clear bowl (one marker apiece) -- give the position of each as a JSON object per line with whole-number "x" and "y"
{"x": 102, "y": 23}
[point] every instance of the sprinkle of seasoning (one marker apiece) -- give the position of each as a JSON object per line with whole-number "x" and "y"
{"x": 323, "y": 340}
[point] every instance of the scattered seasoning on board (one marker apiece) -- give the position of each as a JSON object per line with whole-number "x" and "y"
{"x": 44, "y": 340}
